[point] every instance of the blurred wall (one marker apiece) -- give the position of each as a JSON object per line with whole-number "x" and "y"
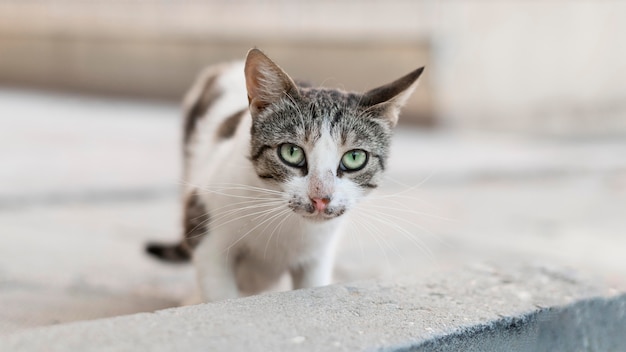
{"x": 155, "y": 49}
{"x": 549, "y": 67}
{"x": 541, "y": 67}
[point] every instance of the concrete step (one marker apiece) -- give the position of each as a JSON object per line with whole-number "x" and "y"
{"x": 484, "y": 308}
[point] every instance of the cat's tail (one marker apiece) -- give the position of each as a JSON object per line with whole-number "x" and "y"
{"x": 174, "y": 253}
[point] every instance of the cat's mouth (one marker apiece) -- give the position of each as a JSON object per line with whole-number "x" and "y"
{"x": 320, "y": 216}
{"x": 309, "y": 212}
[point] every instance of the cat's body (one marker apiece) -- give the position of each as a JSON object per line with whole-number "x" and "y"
{"x": 267, "y": 180}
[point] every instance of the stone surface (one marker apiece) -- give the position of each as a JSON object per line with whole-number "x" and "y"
{"x": 481, "y": 309}
{"x": 59, "y": 148}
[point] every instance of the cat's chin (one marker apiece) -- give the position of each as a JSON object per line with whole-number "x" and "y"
{"x": 320, "y": 217}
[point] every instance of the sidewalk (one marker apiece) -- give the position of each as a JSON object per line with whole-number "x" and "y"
{"x": 85, "y": 182}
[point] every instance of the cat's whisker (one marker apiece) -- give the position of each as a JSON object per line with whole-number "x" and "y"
{"x": 212, "y": 219}
{"x": 235, "y": 218}
{"x": 397, "y": 200}
{"x": 267, "y": 221}
{"x": 267, "y": 212}
{"x": 405, "y": 233}
{"x": 409, "y": 187}
{"x": 237, "y": 205}
{"x": 214, "y": 225}
{"x": 251, "y": 193}
{"x": 326, "y": 80}
{"x": 279, "y": 213}
{"x": 233, "y": 212}
{"x": 277, "y": 228}
{"x": 232, "y": 186}
{"x": 400, "y": 193}
{"x": 208, "y": 191}
{"x": 374, "y": 236}
{"x": 351, "y": 230}
{"x": 361, "y": 246}
{"x": 254, "y": 204}
{"x": 410, "y": 211}
{"x": 223, "y": 191}
{"x": 397, "y": 197}
{"x": 400, "y": 219}
{"x": 380, "y": 230}
{"x": 360, "y": 100}
{"x": 375, "y": 230}
{"x": 235, "y": 186}
{"x": 188, "y": 184}
{"x": 246, "y": 186}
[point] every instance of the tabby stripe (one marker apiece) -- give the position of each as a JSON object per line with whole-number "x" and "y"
{"x": 229, "y": 126}
{"x": 200, "y": 107}
{"x": 196, "y": 220}
{"x": 380, "y": 161}
{"x": 336, "y": 118}
{"x": 260, "y": 152}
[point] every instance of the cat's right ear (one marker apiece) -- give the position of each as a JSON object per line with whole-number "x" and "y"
{"x": 266, "y": 82}
{"x": 391, "y": 97}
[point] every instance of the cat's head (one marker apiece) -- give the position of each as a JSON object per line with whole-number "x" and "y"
{"x": 324, "y": 148}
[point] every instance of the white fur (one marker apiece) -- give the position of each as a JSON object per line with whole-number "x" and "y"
{"x": 246, "y": 250}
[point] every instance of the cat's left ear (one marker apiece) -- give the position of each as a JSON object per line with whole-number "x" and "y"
{"x": 266, "y": 82}
{"x": 391, "y": 97}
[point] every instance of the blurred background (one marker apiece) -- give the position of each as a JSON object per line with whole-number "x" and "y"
{"x": 555, "y": 67}
{"x": 512, "y": 148}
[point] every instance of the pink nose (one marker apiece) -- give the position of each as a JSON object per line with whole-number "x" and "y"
{"x": 320, "y": 203}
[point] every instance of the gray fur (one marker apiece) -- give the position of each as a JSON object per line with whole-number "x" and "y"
{"x": 299, "y": 120}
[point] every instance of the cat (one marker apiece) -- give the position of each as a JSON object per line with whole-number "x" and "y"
{"x": 268, "y": 180}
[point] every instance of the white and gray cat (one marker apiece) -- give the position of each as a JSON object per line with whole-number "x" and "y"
{"x": 268, "y": 179}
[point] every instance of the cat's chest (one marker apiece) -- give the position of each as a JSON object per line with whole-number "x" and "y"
{"x": 264, "y": 228}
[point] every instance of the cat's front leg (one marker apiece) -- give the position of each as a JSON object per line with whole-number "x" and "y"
{"x": 312, "y": 273}
{"x": 215, "y": 271}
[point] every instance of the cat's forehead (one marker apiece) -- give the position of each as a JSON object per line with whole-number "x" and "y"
{"x": 304, "y": 119}
{"x": 342, "y": 115}
{"x": 326, "y": 99}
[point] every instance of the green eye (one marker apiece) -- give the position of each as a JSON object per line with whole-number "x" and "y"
{"x": 291, "y": 155}
{"x": 353, "y": 160}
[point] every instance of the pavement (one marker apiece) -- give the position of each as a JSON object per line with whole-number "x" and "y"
{"x": 530, "y": 309}
{"x": 86, "y": 181}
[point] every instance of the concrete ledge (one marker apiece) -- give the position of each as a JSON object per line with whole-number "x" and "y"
{"x": 595, "y": 324}
{"x": 486, "y": 308}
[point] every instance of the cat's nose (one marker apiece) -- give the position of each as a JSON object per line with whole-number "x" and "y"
{"x": 320, "y": 203}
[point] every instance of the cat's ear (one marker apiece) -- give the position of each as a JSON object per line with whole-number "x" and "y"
{"x": 391, "y": 97}
{"x": 266, "y": 82}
